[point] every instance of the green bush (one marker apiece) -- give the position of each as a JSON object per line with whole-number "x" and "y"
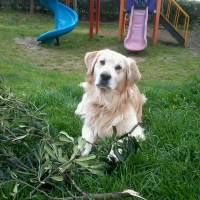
{"x": 193, "y": 10}
{"x": 109, "y": 8}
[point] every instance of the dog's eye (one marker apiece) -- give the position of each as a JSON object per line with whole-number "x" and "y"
{"x": 102, "y": 62}
{"x": 118, "y": 67}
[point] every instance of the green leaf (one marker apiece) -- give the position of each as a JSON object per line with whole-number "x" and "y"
{"x": 13, "y": 175}
{"x": 96, "y": 172}
{"x": 46, "y": 155}
{"x": 49, "y": 151}
{"x": 70, "y": 139}
{"x": 60, "y": 143}
{"x": 83, "y": 164}
{"x": 86, "y": 158}
{"x": 64, "y": 167}
{"x": 62, "y": 138}
{"x": 81, "y": 143}
{"x": 3, "y": 195}
{"x": 15, "y": 190}
{"x": 76, "y": 151}
{"x": 57, "y": 178}
{"x": 62, "y": 159}
{"x": 100, "y": 166}
{"x": 47, "y": 165}
{"x": 22, "y": 126}
{"x": 19, "y": 138}
{"x": 60, "y": 152}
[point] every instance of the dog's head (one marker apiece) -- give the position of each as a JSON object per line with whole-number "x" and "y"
{"x": 110, "y": 69}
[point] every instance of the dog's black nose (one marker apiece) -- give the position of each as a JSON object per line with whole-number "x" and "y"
{"x": 105, "y": 77}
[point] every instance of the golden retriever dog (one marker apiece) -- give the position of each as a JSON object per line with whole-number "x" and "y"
{"x": 111, "y": 97}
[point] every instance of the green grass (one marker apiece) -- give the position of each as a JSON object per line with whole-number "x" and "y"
{"x": 168, "y": 167}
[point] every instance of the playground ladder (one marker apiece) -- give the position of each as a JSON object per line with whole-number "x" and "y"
{"x": 172, "y": 14}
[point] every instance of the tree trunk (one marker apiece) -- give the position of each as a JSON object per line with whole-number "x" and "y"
{"x": 32, "y": 6}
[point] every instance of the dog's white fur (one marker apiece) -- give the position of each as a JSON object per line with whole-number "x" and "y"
{"x": 117, "y": 103}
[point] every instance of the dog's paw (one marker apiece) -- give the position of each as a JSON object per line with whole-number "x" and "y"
{"x": 138, "y": 133}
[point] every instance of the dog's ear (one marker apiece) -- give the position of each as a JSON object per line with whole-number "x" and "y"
{"x": 133, "y": 73}
{"x": 90, "y": 61}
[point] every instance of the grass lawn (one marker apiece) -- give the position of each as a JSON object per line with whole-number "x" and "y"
{"x": 168, "y": 167}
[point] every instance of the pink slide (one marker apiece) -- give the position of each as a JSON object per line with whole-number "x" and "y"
{"x": 136, "y": 39}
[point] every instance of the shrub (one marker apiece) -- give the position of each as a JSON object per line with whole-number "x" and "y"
{"x": 193, "y": 10}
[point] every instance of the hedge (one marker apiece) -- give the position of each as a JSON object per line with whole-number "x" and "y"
{"x": 192, "y": 8}
{"x": 109, "y": 8}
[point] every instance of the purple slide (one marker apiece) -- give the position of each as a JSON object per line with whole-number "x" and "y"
{"x": 136, "y": 39}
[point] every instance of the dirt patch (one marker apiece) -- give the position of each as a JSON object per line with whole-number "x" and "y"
{"x": 137, "y": 59}
{"x": 28, "y": 42}
{"x": 163, "y": 37}
{"x": 194, "y": 41}
{"x": 166, "y": 38}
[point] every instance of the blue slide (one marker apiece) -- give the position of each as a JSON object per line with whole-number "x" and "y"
{"x": 66, "y": 20}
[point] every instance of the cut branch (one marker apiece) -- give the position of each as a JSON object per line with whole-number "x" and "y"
{"x": 104, "y": 196}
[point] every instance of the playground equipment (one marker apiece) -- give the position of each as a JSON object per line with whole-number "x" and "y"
{"x": 65, "y": 20}
{"x": 136, "y": 39}
{"x": 167, "y": 12}
{"x": 171, "y": 20}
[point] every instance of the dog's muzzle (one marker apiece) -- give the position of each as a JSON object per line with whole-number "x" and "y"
{"x": 104, "y": 80}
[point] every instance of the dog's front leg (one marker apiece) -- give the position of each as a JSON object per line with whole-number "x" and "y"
{"x": 90, "y": 138}
{"x": 138, "y": 133}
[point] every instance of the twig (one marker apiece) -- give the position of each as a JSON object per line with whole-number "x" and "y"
{"x": 76, "y": 186}
{"x": 16, "y": 161}
{"x": 129, "y": 132}
{"x": 49, "y": 175}
{"x": 101, "y": 196}
{"x": 40, "y": 184}
{"x": 41, "y": 191}
{"x": 58, "y": 188}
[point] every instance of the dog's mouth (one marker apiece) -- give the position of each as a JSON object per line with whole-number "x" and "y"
{"x": 103, "y": 86}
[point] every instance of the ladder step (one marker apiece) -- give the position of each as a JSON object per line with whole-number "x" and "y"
{"x": 172, "y": 30}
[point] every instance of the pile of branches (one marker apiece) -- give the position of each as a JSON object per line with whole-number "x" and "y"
{"x": 33, "y": 160}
